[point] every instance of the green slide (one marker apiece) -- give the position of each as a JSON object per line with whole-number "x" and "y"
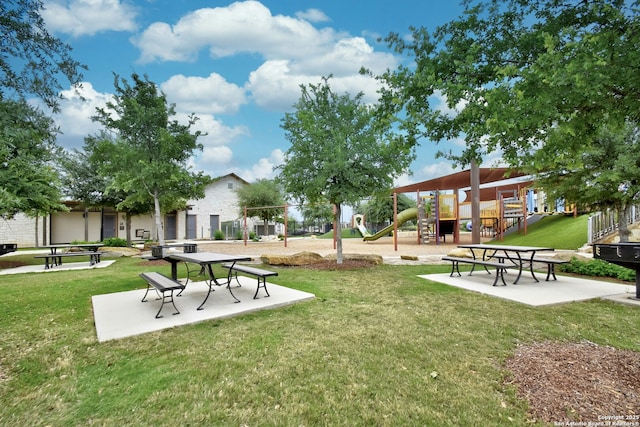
{"x": 404, "y": 216}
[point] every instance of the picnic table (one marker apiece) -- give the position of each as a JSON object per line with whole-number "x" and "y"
{"x": 54, "y": 257}
{"x": 519, "y": 256}
{"x": 205, "y": 261}
{"x": 92, "y": 247}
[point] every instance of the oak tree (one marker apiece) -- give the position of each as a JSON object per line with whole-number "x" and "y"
{"x": 339, "y": 152}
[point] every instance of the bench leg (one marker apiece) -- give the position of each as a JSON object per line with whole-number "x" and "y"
{"x": 264, "y": 285}
{"x": 454, "y": 268}
{"x": 500, "y": 274}
{"x": 551, "y": 271}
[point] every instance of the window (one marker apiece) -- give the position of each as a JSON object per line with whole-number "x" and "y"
{"x": 230, "y": 186}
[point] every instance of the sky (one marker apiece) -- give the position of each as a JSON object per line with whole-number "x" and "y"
{"x": 237, "y": 66}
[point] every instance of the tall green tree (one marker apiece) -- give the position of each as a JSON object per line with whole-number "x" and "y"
{"x": 339, "y": 152}
{"x": 380, "y": 208}
{"x": 317, "y": 214}
{"x": 532, "y": 81}
{"x": 518, "y": 75}
{"x": 605, "y": 175}
{"x": 32, "y": 61}
{"x": 264, "y": 200}
{"x": 29, "y": 180}
{"x": 148, "y": 158}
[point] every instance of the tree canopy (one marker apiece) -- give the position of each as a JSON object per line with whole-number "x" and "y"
{"x": 148, "y": 157}
{"x": 29, "y": 181}
{"x": 32, "y": 61}
{"x": 339, "y": 152}
{"x": 265, "y": 199}
{"x": 380, "y": 208}
{"x": 518, "y": 76}
{"x": 534, "y": 82}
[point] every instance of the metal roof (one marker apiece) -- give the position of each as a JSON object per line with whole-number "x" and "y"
{"x": 460, "y": 180}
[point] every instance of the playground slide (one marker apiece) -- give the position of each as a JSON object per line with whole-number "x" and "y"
{"x": 363, "y": 230}
{"x": 404, "y": 216}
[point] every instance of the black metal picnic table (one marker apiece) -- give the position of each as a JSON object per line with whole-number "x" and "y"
{"x": 518, "y": 255}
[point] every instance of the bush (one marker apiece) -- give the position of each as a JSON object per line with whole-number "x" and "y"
{"x": 115, "y": 242}
{"x": 219, "y": 235}
{"x": 239, "y": 235}
{"x": 598, "y": 268}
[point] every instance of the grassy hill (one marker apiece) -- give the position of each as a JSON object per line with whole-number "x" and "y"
{"x": 557, "y": 231}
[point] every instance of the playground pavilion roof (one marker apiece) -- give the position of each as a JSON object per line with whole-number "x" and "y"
{"x": 462, "y": 180}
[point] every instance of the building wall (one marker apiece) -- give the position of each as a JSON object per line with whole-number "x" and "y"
{"x": 220, "y": 199}
{"x": 22, "y": 230}
{"x": 64, "y": 227}
{"x": 67, "y": 227}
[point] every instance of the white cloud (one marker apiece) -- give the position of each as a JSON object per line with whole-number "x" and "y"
{"x": 216, "y": 156}
{"x": 263, "y": 168}
{"x": 212, "y": 94}
{"x": 313, "y": 15}
{"x": 295, "y": 52}
{"x": 436, "y": 170}
{"x": 76, "y": 109}
{"x": 240, "y": 27}
{"x": 88, "y": 17}
{"x": 275, "y": 86}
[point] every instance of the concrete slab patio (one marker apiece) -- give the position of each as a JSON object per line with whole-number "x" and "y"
{"x": 120, "y": 315}
{"x": 527, "y": 291}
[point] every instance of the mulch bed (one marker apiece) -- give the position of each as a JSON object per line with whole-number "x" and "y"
{"x": 347, "y": 264}
{"x": 580, "y": 382}
{"x": 11, "y": 264}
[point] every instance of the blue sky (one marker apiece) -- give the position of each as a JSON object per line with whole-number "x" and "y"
{"x": 237, "y": 66}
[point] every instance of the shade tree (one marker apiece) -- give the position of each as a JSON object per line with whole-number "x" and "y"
{"x": 339, "y": 152}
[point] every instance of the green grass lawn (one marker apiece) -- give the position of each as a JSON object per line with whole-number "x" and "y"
{"x": 377, "y": 347}
{"x": 556, "y": 231}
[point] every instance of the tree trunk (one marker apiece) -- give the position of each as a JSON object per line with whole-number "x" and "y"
{"x": 158, "y": 218}
{"x": 623, "y": 223}
{"x": 127, "y": 219}
{"x": 266, "y": 228}
{"x": 336, "y": 229}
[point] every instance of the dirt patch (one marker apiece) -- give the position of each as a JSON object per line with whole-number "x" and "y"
{"x": 11, "y": 264}
{"x": 347, "y": 264}
{"x": 580, "y": 382}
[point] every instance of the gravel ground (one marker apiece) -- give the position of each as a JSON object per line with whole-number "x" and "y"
{"x": 407, "y": 246}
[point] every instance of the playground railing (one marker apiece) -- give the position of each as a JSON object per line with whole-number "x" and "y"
{"x": 604, "y": 223}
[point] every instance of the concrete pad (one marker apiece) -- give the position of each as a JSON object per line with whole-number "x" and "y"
{"x": 527, "y": 291}
{"x": 63, "y": 267}
{"x": 120, "y": 315}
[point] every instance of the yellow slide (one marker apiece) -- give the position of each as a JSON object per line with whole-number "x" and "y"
{"x": 404, "y": 216}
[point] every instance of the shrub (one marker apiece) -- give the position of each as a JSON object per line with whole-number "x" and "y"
{"x": 598, "y": 268}
{"x": 219, "y": 235}
{"x": 115, "y": 242}
{"x": 239, "y": 235}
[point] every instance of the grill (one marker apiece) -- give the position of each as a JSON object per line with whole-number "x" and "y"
{"x": 623, "y": 254}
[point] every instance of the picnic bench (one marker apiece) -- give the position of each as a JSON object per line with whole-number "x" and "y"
{"x": 164, "y": 286}
{"x": 499, "y": 266}
{"x": 549, "y": 262}
{"x": 53, "y": 259}
{"x": 253, "y": 271}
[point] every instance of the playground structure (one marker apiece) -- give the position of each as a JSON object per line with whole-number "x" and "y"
{"x": 439, "y": 212}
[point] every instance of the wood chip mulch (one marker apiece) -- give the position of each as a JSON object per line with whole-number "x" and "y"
{"x": 347, "y": 264}
{"x": 577, "y": 382}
